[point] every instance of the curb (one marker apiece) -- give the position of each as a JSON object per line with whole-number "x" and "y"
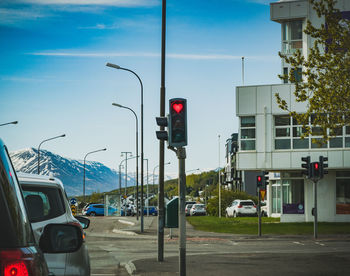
{"x": 130, "y": 267}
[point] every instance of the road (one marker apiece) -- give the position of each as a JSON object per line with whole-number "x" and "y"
{"x": 116, "y": 243}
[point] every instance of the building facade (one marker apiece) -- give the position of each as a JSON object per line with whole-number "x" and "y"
{"x": 269, "y": 139}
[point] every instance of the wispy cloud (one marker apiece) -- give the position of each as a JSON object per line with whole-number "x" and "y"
{"x": 116, "y": 3}
{"x": 263, "y": 2}
{"x": 12, "y": 16}
{"x": 150, "y": 55}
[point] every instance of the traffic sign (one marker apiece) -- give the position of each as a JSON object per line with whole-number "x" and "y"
{"x": 262, "y": 194}
{"x": 73, "y": 201}
{"x": 74, "y": 210}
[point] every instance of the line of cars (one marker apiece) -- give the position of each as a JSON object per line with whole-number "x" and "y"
{"x": 98, "y": 209}
{"x": 195, "y": 209}
{"x": 39, "y": 235}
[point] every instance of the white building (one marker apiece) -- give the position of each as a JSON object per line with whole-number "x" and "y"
{"x": 270, "y": 140}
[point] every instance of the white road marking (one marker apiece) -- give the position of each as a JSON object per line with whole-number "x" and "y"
{"x": 319, "y": 243}
{"x": 299, "y": 243}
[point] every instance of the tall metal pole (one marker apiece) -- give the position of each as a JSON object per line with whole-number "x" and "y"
{"x": 219, "y": 181}
{"x": 84, "y": 168}
{"x": 259, "y": 212}
{"x": 315, "y": 209}
{"x": 120, "y": 190}
{"x": 161, "y": 216}
{"x": 137, "y": 157}
{"x": 147, "y": 189}
{"x": 181, "y": 154}
{"x": 59, "y": 136}
{"x": 126, "y": 169}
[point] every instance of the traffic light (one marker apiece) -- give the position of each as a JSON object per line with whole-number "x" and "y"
{"x": 323, "y": 165}
{"x": 259, "y": 181}
{"x": 315, "y": 170}
{"x": 306, "y": 166}
{"x": 177, "y": 122}
{"x": 163, "y": 122}
{"x": 266, "y": 177}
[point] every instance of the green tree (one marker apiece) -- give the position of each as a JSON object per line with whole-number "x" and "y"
{"x": 326, "y": 83}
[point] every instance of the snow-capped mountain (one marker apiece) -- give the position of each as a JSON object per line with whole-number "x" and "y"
{"x": 98, "y": 177}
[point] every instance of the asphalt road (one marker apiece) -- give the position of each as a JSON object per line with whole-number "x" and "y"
{"x": 116, "y": 244}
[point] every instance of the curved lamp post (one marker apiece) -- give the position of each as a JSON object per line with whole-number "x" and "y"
{"x": 84, "y": 168}
{"x": 59, "y": 136}
{"x": 137, "y": 156}
{"x": 125, "y": 69}
{"x": 153, "y": 174}
{"x": 10, "y": 123}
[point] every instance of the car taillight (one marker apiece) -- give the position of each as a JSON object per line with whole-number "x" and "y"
{"x": 254, "y": 206}
{"x": 239, "y": 206}
{"x": 15, "y": 263}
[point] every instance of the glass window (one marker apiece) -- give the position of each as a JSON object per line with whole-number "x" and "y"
{"x": 276, "y": 198}
{"x": 301, "y": 143}
{"x": 282, "y": 120}
{"x": 296, "y": 30}
{"x": 43, "y": 203}
{"x": 343, "y": 196}
{"x": 285, "y": 73}
{"x": 282, "y": 132}
{"x": 317, "y": 144}
{"x": 293, "y": 196}
{"x": 248, "y": 121}
{"x": 336, "y": 142}
{"x": 282, "y": 143}
{"x": 247, "y": 133}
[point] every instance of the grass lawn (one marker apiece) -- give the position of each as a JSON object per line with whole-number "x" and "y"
{"x": 249, "y": 226}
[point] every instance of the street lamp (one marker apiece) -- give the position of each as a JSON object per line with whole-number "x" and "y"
{"x": 137, "y": 156}
{"x": 84, "y": 168}
{"x": 63, "y": 135}
{"x": 10, "y": 123}
{"x": 125, "y": 69}
{"x": 153, "y": 174}
{"x": 120, "y": 179}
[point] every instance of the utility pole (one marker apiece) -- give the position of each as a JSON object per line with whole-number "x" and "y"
{"x": 219, "y": 180}
{"x": 161, "y": 212}
{"x": 181, "y": 154}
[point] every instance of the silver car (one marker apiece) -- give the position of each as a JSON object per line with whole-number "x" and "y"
{"x": 47, "y": 203}
{"x": 198, "y": 210}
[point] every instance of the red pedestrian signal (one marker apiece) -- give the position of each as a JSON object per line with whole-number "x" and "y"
{"x": 259, "y": 181}
{"x": 177, "y": 128}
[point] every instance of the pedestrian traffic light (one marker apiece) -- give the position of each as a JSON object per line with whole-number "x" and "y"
{"x": 265, "y": 177}
{"x": 315, "y": 170}
{"x": 323, "y": 165}
{"x": 162, "y": 122}
{"x": 306, "y": 166}
{"x": 177, "y": 122}
{"x": 259, "y": 181}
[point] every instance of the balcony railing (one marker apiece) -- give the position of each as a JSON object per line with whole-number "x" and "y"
{"x": 290, "y": 47}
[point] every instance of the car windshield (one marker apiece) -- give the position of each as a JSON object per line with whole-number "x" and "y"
{"x": 43, "y": 203}
{"x": 199, "y": 206}
{"x": 247, "y": 203}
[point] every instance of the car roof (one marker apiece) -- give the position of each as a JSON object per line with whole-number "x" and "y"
{"x": 42, "y": 180}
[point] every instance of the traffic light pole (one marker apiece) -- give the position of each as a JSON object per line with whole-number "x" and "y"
{"x": 181, "y": 154}
{"x": 315, "y": 209}
{"x": 259, "y": 213}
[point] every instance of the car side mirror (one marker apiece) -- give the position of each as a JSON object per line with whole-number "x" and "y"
{"x": 61, "y": 238}
{"x": 84, "y": 222}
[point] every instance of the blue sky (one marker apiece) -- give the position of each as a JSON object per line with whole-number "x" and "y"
{"x": 53, "y": 77}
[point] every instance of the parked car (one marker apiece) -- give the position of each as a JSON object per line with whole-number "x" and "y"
{"x": 153, "y": 211}
{"x": 241, "y": 208}
{"x": 188, "y": 208}
{"x": 99, "y": 210}
{"x": 198, "y": 210}
{"x": 20, "y": 254}
{"x": 47, "y": 202}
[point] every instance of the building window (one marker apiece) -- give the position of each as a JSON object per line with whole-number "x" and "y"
{"x": 285, "y": 74}
{"x": 282, "y": 132}
{"x": 293, "y": 196}
{"x": 292, "y": 36}
{"x": 276, "y": 198}
{"x": 298, "y": 131}
{"x": 347, "y": 136}
{"x": 247, "y": 133}
{"x": 343, "y": 192}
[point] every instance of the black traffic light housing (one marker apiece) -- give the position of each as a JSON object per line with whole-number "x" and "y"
{"x": 259, "y": 181}
{"x": 177, "y": 122}
{"x": 162, "y": 122}
{"x": 266, "y": 177}
{"x": 315, "y": 170}
{"x": 323, "y": 165}
{"x": 306, "y": 166}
